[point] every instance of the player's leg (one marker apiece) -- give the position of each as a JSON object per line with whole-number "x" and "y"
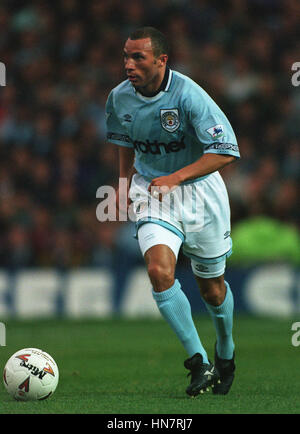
{"x": 161, "y": 262}
{"x": 160, "y": 248}
{"x": 208, "y": 249}
{"x": 219, "y": 302}
{"x": 218, "y": 299}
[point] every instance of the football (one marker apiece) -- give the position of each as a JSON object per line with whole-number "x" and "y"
{"x": 30, "y": 374}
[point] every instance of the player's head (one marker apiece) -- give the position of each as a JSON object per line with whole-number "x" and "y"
{"x": 145, "y": 58}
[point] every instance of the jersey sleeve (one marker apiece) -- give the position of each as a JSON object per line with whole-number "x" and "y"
{"x": 211, "y": 126}
{"x": 115, "y": 132}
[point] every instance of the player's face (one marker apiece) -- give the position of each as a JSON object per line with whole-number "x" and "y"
{"x": 143, "y": 69}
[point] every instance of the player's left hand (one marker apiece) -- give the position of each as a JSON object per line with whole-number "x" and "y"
{"x": 163, "y": 185}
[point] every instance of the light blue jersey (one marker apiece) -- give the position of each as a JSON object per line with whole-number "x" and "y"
{"x": 170, "y": 130}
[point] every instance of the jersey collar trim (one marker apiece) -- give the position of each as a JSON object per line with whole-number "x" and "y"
{"x": 164, "y": 87}
{"x": 168, "y": 80}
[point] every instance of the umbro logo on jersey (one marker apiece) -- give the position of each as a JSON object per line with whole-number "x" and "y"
{"x": 127, "y": 118}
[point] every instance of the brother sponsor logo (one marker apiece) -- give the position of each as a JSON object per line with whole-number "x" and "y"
{"x": 156, "y": 147}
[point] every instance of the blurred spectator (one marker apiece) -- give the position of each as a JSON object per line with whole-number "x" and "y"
{"x": 19, "y": 251}
{"x": 62, "y": 59}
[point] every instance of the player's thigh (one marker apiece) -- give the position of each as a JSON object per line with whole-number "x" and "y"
{"x": 160, "y": 248}
{"x": 153, "y": 235}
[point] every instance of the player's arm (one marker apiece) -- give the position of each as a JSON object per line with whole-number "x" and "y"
{"x": 126, "y": 170}
{"x": 126, "y": 161}
{"x": 118, "y": 135}
{"x": 205, "y": 165}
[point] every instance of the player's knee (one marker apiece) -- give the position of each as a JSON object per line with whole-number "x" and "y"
{"x": 213, "y": 290}
{"x": 161, "y": 276}
{"x": 213, "y": 297}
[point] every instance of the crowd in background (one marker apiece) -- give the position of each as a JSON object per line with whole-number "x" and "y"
{"x": 63, "y": 57}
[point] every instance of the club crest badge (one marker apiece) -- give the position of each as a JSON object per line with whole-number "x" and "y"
{"x": 169, "y": 119}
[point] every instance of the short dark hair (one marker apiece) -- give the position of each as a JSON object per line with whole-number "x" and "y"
{"x": 158, "y": 40}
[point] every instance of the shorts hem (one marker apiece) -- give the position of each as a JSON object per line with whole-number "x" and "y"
{"x": 163, "y": 223}
{"x": 208, "y": 275}
{"x": 208, "y": 260}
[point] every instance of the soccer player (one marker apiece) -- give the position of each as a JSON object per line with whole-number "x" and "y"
{"x": 173, "y": 139}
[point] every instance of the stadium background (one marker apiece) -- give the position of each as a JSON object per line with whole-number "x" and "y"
{"x": 62, "y": 58}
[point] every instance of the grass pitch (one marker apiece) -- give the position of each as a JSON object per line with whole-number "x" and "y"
{"x": 120, "y": 366}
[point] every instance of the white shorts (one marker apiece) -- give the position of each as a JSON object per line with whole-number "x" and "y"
{"x": 197, "y": 213}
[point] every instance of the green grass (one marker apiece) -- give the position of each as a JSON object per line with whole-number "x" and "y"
{"x": 120, "y": 366}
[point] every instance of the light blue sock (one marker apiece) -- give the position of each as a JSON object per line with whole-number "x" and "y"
{"x": 176, "y": 309}
{"x": 222, "y": 317}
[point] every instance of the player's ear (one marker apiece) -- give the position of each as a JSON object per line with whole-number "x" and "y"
{"x": 162, "y": 59}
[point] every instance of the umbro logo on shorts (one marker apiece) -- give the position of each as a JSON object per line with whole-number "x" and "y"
{"x": 202, "y": 268}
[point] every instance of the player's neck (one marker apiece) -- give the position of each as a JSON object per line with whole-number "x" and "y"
{"x": 157, "y": 87}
